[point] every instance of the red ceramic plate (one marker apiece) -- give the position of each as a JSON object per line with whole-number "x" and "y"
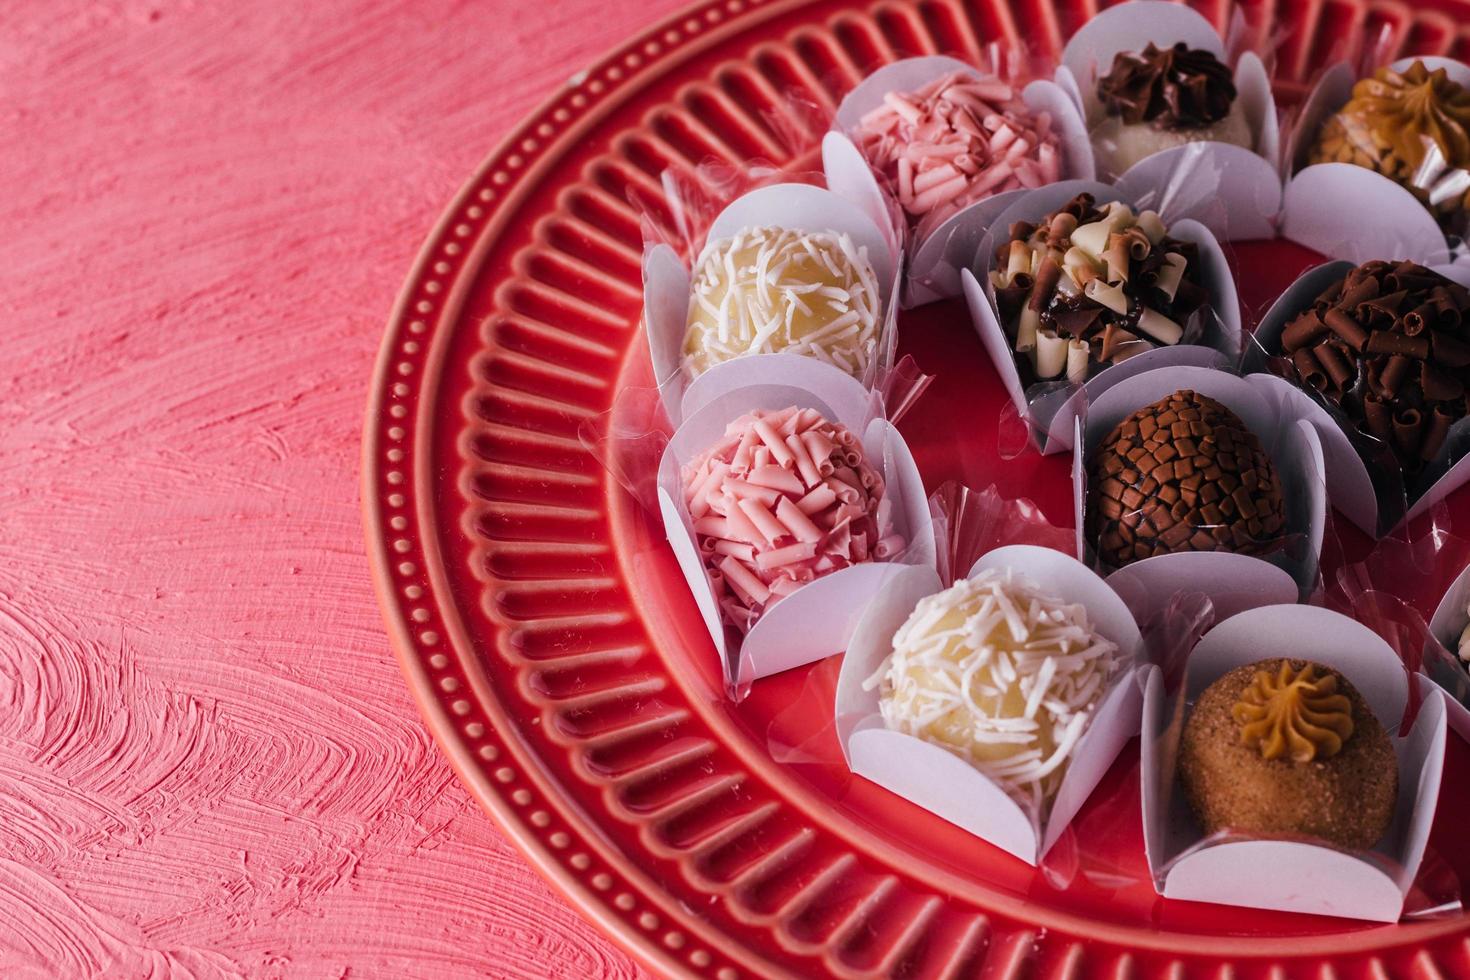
{"x": 547, "y": 633}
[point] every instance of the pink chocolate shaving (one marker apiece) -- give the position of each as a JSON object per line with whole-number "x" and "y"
{"x": 956, "y": 141}
{"x": 782, "y": 498}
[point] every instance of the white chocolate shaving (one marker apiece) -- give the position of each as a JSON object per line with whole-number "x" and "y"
{"x": 1077, "y": 361}
{"x": 1051, "y": 355}
{"x": 768, "y": 290}
{"x": 1170, "y": 274}
{"x": 1107, "y": 294}
{"x": 1159, "y": 327}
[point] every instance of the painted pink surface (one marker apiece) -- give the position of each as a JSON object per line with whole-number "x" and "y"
{"x": 209, "y": 765}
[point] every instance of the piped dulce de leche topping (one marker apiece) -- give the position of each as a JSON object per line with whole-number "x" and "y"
{"x": 1296, "y": 712}
{"x": 1094, "y": 285}
{"x": 1386, "y": 345}
{"x": 1170, "y": 88}
{"x": 781, "y": 499}
{"x": 958, "y": 140}
{"x": 1413, "y": 127}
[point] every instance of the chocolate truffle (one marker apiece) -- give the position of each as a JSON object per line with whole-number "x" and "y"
{"x": 1182, "y": 474}
{"x": 769, "y": 290}
{"x": 1002, "y": 673}
{"x": 958, "y": 140}
{"x": 1387, "y": 346}
{"x": 1160, "y": 98}
{"x": 781, "y": 499}
{"x": 1413, "y": 127}
{"x": 1288, "y": 748}
{"x": 1091, "y": 286}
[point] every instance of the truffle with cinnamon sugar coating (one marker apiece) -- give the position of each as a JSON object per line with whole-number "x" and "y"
{"x": 1289, "y": 748}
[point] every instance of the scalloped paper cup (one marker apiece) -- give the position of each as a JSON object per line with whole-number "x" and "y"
{"x": 1371, "y": 505}
{"x": 795, "y": 207}
{"x": 1448, "y": 622}
{"x": 1385, "y": 219}
{"x": 817, "y": 620}
{"x": 943, "y": 783}
{"x": 1291, "y": 876}
{"x": 1233, "y": 582}
{"x": 1050, "y": 415}
{"x": 936, "y": 259}
{"x": 1232, "y": 190}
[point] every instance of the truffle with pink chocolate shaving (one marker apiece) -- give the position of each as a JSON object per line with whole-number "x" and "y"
{"x": 781, "y": 499}
{"x": 958, "y": 140}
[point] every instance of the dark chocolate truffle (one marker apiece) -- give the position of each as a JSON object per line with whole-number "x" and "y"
{"x": 1288, "y": 748}
{"x": 1182, "y": 474}
{"x": 1387, "y": 346}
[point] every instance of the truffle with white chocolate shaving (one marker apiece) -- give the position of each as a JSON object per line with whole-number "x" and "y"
{"x": 770, "y": 290}
{"x": 958, "y": 140}
{"x": 1002, "y": 673}
{"x": 1387, "y": 345}
{"x": 781, "y": 499}
{"x": 1091, "y": 286}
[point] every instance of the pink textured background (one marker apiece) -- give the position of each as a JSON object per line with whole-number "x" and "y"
{"x": 209, "y": 765}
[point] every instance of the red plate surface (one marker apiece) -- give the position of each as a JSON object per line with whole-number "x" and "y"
{"x": 547, "y": 633}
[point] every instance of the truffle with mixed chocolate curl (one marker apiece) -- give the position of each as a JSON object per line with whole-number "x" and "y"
{"x": 1388, "y": 346}
{"x": 1288, "y": 748}
{"x": 1182, "y": 474}
{"x": 1091, "y": 286}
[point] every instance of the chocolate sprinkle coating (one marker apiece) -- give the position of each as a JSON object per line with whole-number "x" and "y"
{"x": 1170, "y": 88}
{"x": 1390, "y": 347}
{"x": 1346, "y": 800}
{"x": 1182, "y": 474}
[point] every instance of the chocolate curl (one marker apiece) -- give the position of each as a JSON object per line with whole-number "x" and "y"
{"x": 1394, "y": 373}
{"x": 1416, "y": 320}
{"x": 1046, "y": 283}
{"x": 1021, "y": 230}
{"x": 1076, "y": 322}
{"x": 1438, "y": 386}
{"x": 1449, "y": 351}
{"x": 1117, "y": 257}
{"x": 1010, "y": 299}
{"x": 1114, "y": 337}
{"x": 1304, "y": 330}
{"x": 1439, "y": 428}
{"x": 1409, "y": 276}
{"x": 1384, "y": 342}
{"x": 1376, "y": 414}
{"x": 1387, "y": 305}
{"x": 1359, "y": 293}
{"x": 1189, "y": 297}
{"x": 1330, "y": 295}
{"x": 1408, "y": 432}
{"x": 1448, "y": 313}
{"x": 1061, "y": 228}
{"x": 1345, "y": 327}
{"x": 1308, "y": 369}
{"x": 1339, "y": 371}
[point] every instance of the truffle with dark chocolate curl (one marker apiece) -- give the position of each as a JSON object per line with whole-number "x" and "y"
{"x": 1387, "y": 345}
{"x": 1289, "y": 748}
{"x": 1183, "y": 474}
